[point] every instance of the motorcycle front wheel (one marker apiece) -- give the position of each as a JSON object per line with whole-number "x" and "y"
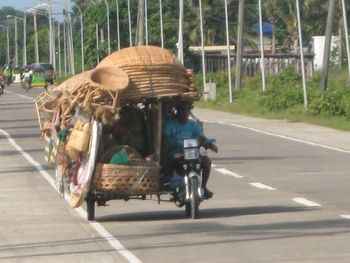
{"x": 192, "y": 206}
{"x": 7, "y": 82}
{"x": 28, "y": 86}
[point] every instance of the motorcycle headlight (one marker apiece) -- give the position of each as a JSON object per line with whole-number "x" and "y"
{"x": 191, "y": 153}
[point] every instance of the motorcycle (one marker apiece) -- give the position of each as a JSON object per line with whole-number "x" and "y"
{"x": 8, "y": 81}
{"x": 26, "y": 82}
{"x": 2, "y": 85}
{"x": 187, "y": 181}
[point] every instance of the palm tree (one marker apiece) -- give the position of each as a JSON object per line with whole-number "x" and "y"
{"x": 272, "y": 11}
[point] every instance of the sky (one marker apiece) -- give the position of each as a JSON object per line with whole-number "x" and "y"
{"x": 19, "y": 4}
{"x": 25, "y": 4}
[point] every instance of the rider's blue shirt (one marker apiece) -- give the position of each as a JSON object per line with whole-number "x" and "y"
{"x": 176, "y": 132}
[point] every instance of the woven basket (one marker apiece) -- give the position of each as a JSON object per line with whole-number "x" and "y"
{"x": 126, "y": 179}
{"x": 74, "y": 83}
{"x": 79, "y": 137}
{"x": 139, "y": 55}
{"x": 79, "y": 140}
{"x": 111, "y": 78}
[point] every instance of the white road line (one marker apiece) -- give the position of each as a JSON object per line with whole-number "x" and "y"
{"x": 306, "y": 202}
{"x": 113, "y": 241}
{"x": 345, "y": 216}
{"x": 262, "y": 186}
{"x": 281, "y": 136}
{"x": 20, "y": 95}
{"x": 228, "y": 172}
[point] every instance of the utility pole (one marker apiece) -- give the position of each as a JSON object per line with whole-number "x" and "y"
{"x": 49, "y": 10}
{"x": 140, "y": 23}
{"x": 327, "y": 45}
{"x": 180, "y": 47}
{"x": 97, "y": 45}
{"x": 108, "y": 28}
{"x": 161, "y": 23}
{"x": 239, "y": 53}
{"x": 118, "y": 27}
{"x": 16, "y": 43}
{"x": 262, "y": 56}
{"x": 345, "y": 20}
{"x": 129, "y": 19}
{"x": 228, "y": 53}
{"x": 146, "y": 21}
{"x": 8, "y": 44}
{"x": 202, "y": 43}
{"x": 59, "y": 49}
{"x": 36, "y": 38}
{"x": 65, "y": 52}
{"x": 24, "y": 39}
{"x": 301, "y": 54}
{"x": 71, "y": 47}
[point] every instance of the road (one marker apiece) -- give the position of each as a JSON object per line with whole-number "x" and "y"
{"x": 281, "y": 194}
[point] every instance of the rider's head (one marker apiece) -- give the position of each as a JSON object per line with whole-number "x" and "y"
{"x": 183, "y": 110}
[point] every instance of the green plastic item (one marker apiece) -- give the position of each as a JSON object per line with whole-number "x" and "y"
{"x": 120, "y": 157}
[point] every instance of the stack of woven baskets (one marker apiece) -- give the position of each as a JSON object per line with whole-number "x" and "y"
{"x": 152, "y": 72}
{"x": 129, "y": 75}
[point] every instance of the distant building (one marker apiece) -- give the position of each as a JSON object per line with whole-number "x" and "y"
{"x": 212, "y": 50}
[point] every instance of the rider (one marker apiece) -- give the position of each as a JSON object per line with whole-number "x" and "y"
{"x": 177, "y": 129}
{"x": 2, "y": 82}
{"x": 27, "y": 74}
{"x": 8, "y": 73}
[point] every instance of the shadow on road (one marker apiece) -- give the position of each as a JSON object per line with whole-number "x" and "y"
{"x": 204, "y": 213}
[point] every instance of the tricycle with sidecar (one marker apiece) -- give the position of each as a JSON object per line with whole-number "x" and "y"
{"x": 105, "y": 131}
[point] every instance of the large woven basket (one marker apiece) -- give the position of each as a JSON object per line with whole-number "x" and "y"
{"x": 140, "y": 55}
{"x": 126, "y": 179}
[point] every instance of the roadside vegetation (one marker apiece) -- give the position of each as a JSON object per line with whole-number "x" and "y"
{"x": 284, "y": 99}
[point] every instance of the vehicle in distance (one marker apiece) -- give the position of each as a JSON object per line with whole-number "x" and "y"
{"x": 49, "y": 71}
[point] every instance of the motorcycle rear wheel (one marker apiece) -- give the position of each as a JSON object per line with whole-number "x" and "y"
{"x": 192, "y": 206}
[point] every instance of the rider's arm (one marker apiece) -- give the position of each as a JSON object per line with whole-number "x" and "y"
{"x": 203, "y": 140}
{"x": 207, "y": 143}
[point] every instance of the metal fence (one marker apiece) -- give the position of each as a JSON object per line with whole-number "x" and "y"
{"x": 251, "y": 63}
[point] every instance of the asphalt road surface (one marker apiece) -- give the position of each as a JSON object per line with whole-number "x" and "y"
{"x": 281, "y": 194}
